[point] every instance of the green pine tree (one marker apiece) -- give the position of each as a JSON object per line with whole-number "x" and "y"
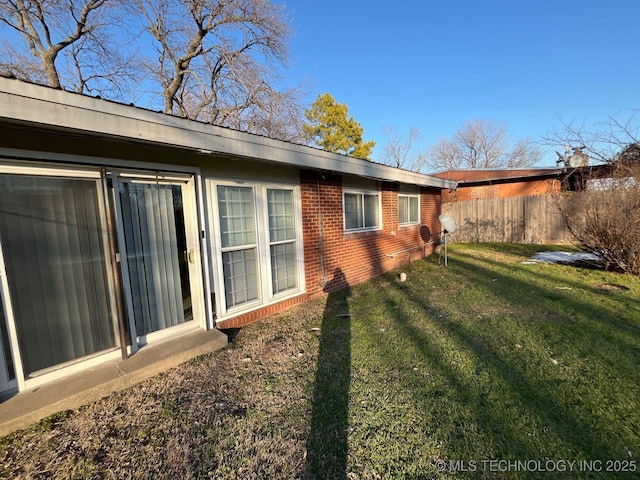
{"x": 331, "y": 129}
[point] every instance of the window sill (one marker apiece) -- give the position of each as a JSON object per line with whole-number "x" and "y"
{"x": 362, "y": 230}
{"x": 250, "y": 307}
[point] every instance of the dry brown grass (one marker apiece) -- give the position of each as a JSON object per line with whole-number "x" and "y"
{"x": 487, "y": 359}
{"x": 237, "y": 413}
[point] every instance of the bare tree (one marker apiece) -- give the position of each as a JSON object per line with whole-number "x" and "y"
{"x": 603, "y": 140}
{"x": 216, "y": 62}
{"x": 401, "y": 151}
{"x": 58, "y": 31}
{"x": 482, "y": 144}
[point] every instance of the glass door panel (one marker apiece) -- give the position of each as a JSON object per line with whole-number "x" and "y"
{"x": 53, "y": 243}
{"x": 157, "y": 254}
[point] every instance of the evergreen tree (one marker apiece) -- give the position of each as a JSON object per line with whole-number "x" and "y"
{"x": 331, "y": 129}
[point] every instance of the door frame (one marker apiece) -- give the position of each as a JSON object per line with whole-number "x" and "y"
{"x": 187, "y": 182}
{"x": 7, "y": 384}
{"x": 20, "y": 161}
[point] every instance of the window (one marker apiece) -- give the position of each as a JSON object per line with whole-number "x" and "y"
{"x": 408, "y": 209}
{"x": 282, "y": 240}
{"x": 259, "y": 243}
{"x": 238, "y": 241}
{"x": 361, "y": 210}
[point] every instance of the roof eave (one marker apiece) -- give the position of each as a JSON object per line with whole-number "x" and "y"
{"x": 53, "y": 108}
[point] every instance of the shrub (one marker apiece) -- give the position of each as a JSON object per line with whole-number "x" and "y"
{"x": 605, "y": 216}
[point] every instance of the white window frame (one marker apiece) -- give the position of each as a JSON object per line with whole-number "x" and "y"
{"x": 249, "y": 246}
{"x": 362, "y": 193}
{"x": 270, "y": 243}
{"x": 263, "y": 245}
{"x": 409, "y": 196}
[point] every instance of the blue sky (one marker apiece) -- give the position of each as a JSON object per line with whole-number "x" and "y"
{"x": 436, "y": 65}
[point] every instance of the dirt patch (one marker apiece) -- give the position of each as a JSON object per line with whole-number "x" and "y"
{"x": 611, "y": 287}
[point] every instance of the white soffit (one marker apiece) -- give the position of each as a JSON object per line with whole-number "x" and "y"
{"x": 49, "y": 107}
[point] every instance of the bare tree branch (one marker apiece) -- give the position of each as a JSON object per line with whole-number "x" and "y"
{"x": 482, "y": 144}
{"x": 602, "y": 140}
{"x": 400, "y": 151}
{"x": 604, "y": 217}
{"x": 217, "y": 63}
{"x": 51, "y": 29}
{"x": 215, "y": 60}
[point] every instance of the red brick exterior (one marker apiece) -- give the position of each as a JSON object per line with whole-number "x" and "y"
{"x": 500, "y": 183}
{"x": 334, "y": 259}
{"x": 517, "y": 188}
{"x": 254, "y": 315}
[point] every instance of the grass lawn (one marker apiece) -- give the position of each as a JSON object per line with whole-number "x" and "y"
{"x": 490, "y": 368}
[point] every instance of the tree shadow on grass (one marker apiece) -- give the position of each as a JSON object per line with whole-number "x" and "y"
{"x": 540, "y": 400}
{"x": 327, "y": 441}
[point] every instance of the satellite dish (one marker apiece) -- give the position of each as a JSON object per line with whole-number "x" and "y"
{"x": 578, "y": 160}
{"x": 448, "y": 226}
{"x": 448, "y": 223}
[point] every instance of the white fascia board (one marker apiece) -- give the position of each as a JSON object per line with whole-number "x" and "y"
{"x": 44, "y": 106}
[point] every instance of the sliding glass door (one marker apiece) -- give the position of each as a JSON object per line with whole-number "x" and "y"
{"x": 55, "y": 256}
{"x": 159, "y": 252}
{"x": 7, "y": 369}
{"x": 63, "y": 232}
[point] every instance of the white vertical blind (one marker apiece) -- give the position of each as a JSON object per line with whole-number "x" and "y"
{"x": 52, "y": 237}
{"x": 151, "y": 236}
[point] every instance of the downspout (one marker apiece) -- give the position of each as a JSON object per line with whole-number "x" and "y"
{"x": 323, "y": 273}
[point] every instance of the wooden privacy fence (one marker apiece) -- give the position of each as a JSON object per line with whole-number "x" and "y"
{"x": 533, "y": 219}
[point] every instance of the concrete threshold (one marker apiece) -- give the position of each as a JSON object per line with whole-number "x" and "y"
{"x": 69, "y": 393}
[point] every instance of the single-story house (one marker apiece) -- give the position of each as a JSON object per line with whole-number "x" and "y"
{"x": 479, "y": 184}
{"x": 121, "y": 227}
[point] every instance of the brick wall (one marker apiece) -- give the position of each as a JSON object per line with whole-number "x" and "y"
{"x": 521, "y": 188}
{"x": 333, "y": 259}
